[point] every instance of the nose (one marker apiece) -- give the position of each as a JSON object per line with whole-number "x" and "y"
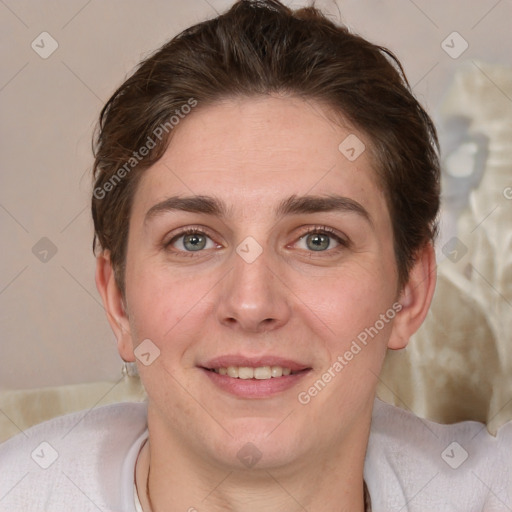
{"x": 253, "y": 297}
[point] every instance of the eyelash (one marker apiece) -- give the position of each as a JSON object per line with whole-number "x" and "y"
{"x": 319, "y": 230}
{"x": 324, "y": 230}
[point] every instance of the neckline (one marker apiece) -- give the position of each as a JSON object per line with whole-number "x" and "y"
{"x": 137, "y": 503}
{"x": 138, "y": 506}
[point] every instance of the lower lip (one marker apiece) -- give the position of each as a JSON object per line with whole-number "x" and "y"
{"x": 255, "y": 388}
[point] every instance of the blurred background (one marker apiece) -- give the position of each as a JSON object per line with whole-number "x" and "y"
{"x": 61, "y": 61}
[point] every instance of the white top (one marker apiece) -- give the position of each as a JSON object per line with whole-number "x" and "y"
{"x": 85, "y": 462}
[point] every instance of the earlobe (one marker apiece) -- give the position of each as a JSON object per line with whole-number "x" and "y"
{"x": 114, "y": 306}
{"x": 415, "y": 298}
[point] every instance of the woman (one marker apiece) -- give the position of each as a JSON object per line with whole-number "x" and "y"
{"x": 265, "y": 200}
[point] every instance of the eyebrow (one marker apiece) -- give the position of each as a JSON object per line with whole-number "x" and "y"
{"x": 293, "y": 205}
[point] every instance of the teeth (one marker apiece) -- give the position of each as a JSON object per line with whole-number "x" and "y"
{"x": 233, "y": 371}
{"x": 260, "y": 373}
{"x": 244, "y": 372}
{"x": 276, "y": 371}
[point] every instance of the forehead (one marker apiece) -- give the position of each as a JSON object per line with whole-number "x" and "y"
{"x": 259, "y": 150}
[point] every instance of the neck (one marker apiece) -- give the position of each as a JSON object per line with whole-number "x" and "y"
{"x": 329, "y": 483}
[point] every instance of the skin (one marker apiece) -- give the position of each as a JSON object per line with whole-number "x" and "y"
{"x": 292, "y": 301}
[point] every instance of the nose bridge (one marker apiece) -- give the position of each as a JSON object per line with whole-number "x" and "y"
{"x": 253, "y": 297}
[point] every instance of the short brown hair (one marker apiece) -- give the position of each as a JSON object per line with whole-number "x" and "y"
{"x": 260, "y": 47}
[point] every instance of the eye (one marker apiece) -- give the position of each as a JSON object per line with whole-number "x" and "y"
{"x": 191, "y": 240}
{"x": 319, "y": 239}
{"x": 315, "y": 239}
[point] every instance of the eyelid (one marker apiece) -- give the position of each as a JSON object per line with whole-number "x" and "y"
{"x": 185, "y": 231}
{"x": 189, "y": 230}
{"x": 341, "y": 239}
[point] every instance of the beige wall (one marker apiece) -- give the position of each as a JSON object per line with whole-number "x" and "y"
{"x": 53, "y": 327}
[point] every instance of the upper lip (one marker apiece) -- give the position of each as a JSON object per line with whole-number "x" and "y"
{"x": 253, "y": 362}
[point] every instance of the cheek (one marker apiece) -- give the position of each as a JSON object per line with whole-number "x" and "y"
{"x": 162, "y": 305}
{"x": 345, "y": 304}
{"x": 347, "y": 317}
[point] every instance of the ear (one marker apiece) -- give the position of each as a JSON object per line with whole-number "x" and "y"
{"x": 114, "y": 306}
{"x": 415, "y": 298}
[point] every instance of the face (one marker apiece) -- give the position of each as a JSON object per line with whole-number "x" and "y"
{"x": 281, "y": 259}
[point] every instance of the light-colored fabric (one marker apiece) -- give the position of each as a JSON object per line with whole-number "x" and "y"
{"x": 459, "y": 364}
{"x": 21, "y": 409}
{"x": 411, "y": 465}
{"x": 138, "y": 506}
{"x": 82, "y": 461}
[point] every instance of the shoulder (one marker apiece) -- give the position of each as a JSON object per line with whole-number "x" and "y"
{"x": 78, "y": 459}
{"x": 421, "y": 463}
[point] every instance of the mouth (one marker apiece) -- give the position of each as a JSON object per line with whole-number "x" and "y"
{"x": 254, "y": 378}
{"x": 258, "y": 373}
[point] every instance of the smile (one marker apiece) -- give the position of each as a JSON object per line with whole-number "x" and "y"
{"x": 247, "y": 372}
{"x": 247, "y": 377}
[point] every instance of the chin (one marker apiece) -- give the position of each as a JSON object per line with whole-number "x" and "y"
{"x": 260, "y": 444}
